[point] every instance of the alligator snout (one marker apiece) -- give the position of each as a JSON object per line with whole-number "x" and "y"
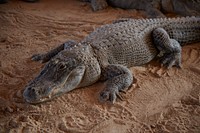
{"x": 30, "y": 94}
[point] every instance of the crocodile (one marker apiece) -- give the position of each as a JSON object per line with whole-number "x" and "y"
{"x": 107, "y": 53}
{"x": 153, "y": 8}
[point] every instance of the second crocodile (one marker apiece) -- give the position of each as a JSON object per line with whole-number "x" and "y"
{"x": 153, "y": 8}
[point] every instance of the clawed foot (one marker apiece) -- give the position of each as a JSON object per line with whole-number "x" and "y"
{"x": 111, "y": 95}
{"x": 171, "y": 59}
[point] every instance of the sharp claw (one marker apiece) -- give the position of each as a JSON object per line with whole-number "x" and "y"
{"x": 164, "y": 61}
{"x": 120, "y": 97}
{"x": 103, "y": 96}
{"x": 171, "y": 63}
{"x": 166, "y": 64}
{"x": 178, "y": 64}
{"x": 123, "y": 91}
{"x": 113, "y": 98}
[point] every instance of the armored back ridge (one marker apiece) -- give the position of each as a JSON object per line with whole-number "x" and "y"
{"x": 130, "y": 42}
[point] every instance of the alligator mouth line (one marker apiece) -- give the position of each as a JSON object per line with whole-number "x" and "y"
{"x": 44, "y": 99}
{"x": 41, "y": 100}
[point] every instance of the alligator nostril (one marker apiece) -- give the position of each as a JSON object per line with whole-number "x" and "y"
{"x": 33, "y": 90}
{"x": 29, "y": 88}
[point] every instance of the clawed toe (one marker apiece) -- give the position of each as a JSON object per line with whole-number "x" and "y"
{"x": 120, "y": 97}
{"x": 104, "y": 96}
{"x": 110, "y": 96}
{"x": 170, "y": 60}
{"x": 119, "y": 80}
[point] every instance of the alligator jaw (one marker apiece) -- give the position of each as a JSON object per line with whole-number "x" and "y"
{"x": 41, "y": 100}
{"x": 33, "y": 94}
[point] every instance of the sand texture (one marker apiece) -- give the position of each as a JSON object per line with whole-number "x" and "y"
{"x": 161, "y": 101}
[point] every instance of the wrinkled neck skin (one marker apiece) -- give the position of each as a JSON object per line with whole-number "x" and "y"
{"x": 93, "y": 68}
{"x": 70, "y": 69}
{"x": 85, "y": 55}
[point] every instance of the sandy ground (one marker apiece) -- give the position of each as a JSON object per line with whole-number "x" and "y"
{"x": 161, "y": 101}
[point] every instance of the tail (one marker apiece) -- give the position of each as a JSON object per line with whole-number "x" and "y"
{"x": 185, "y": 30}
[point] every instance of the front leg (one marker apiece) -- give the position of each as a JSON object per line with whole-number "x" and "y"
{"x": 118, "y": 79}
{"x": 170, "y": 48}
{"x": 47, "y": 56}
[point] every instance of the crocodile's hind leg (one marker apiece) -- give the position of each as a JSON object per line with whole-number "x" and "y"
{"x": 118, "y": 79}
{"x": 46, "y": 57}
{"x": 170, "y": 48}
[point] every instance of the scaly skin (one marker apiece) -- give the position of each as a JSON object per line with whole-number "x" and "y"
{"x": 107, "y": 53}
{"x": 126, "y": 42}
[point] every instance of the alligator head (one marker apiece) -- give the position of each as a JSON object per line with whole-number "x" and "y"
{"x": 61, "y": 74}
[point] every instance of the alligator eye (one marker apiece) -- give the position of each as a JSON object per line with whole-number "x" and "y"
{"x": 61, "y": 66}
